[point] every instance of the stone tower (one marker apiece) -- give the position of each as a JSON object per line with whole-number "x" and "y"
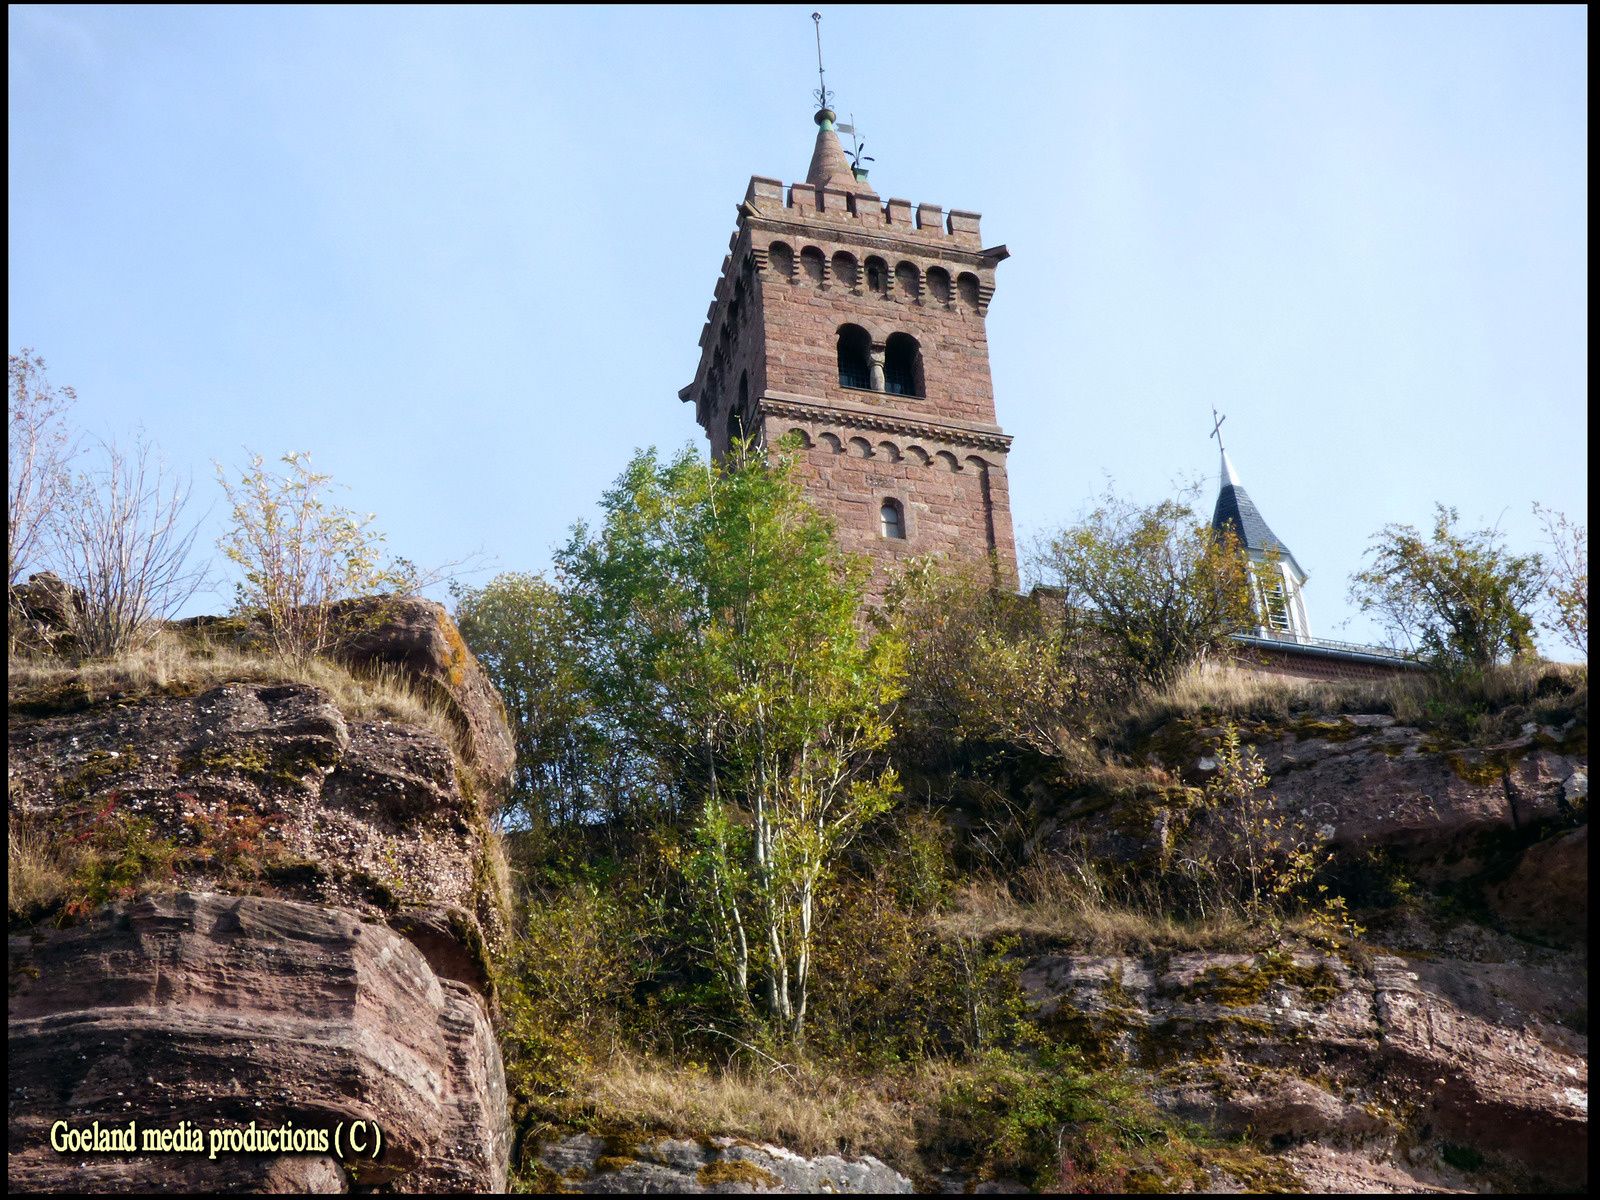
{"x": 857, "y": 325}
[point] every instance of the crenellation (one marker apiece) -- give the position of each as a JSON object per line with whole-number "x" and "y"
{"x": 964, "y": 223}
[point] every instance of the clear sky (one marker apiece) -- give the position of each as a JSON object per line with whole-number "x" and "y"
{"x": 464, "y": 255}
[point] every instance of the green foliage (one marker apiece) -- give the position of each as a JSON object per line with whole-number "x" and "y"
{"x": 1248, "y": 846}
{"x": 565, "y": 974}
{"x": 1156, "y": 581}
{"x": 987, "y": 668}
{"x": 1460, "y": 599}
{"x": 719, "y": 625}
{"x": 298, "y": 553}
{"x": 523, "y": 633}
{"x": 890, "y": 989}
{"x": 1051, "y": 1122}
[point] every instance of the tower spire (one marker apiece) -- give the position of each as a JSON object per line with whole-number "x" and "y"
{"x": 830, "y": 166}
{"x": 822, "y": 93}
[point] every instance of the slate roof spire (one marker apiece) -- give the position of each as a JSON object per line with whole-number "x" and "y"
{"x": 1235, "y": 508}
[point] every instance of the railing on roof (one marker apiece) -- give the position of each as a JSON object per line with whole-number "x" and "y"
{"x": 1289, "y": 639}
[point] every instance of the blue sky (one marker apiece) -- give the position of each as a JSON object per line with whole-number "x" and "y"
{"x": 463, "y": 255}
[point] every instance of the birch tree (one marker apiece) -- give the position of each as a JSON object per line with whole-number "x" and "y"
{"x": 39, "y": 453}
{"x": 722, "y": 628}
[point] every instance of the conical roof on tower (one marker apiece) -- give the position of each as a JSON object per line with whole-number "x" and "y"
{"x": 1236, "y": 509}
{"x": 830, "y": 166}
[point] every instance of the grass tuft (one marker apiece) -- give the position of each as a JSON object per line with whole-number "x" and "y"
{"x": 178, "y": 665}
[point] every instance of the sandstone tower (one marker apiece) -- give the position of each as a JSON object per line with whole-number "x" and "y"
{"x": 857, "y": 325}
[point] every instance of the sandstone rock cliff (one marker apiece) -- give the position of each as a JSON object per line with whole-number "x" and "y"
{"x": 278, "y": 913}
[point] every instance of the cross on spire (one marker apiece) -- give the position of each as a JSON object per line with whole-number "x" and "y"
{"x": 1216, "y": 429}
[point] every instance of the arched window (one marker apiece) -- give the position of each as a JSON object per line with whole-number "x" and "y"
{"x": 939, "y": 284}
{"x": 844, "y": 269}
{"x": 892, "y": 519}
{"x": 877, "y": 276}
{"x": 855, "y": 364}
{"x": 781, "y": 258}
{"x": 902, "y": 366}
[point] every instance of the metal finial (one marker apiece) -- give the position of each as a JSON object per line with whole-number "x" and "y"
{"x": 823, "y": 95}
{"x": 1216, "y": 429}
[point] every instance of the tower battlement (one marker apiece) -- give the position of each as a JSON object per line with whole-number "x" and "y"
{"x": 810, "y": 202}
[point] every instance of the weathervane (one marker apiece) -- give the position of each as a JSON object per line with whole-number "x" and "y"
{"x": 822, "y": 93}
{"x": 858, "y": 148}
{"x": 1216, "y": 428}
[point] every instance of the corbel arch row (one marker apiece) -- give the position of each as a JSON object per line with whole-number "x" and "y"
{"x": 867, "y": 444}
{"x": 916, "y": 279}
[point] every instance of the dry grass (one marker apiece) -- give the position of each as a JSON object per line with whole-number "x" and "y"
{"x": 173, "y": 663}
{"x": 1217, "y": 692}
{"x": 1067, "y": 901}
{"x": 38, "y": 876}
{"x": 807, "y": 1110}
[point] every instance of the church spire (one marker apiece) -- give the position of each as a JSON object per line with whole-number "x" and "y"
{"x": 1230, "y": 477}
{"x": 1236, "y": 509}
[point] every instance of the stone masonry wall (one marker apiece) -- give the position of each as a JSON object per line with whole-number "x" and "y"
{"x": 797, "y": 270}
{"x": 953, "y": 503}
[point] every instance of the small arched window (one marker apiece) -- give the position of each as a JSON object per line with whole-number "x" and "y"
{"x": 877, "y": 276}
{"x": 892, "y": 519}
{"x": 781, "y": 259}
{"x": 844, "y": 269}
{"x": 939, "y": 284}
{"x": 855, "y": 362}
{"x": 902, "y": 366}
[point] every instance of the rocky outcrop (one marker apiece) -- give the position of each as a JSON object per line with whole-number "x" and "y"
{"x": 1503, "y": 822}
{"x": 418, "y": 639}
{"x": 1366, "y": 781}
{"x": 1419, "y": 1056}
{"x": 1547, "y": 892}
{"x": 41, "y": 613}
{"x": 264, "y": 787}
{"x": 266, "y": 909}
{"x": 583, "y": 1163}
{"x": 226, "y": 1010}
